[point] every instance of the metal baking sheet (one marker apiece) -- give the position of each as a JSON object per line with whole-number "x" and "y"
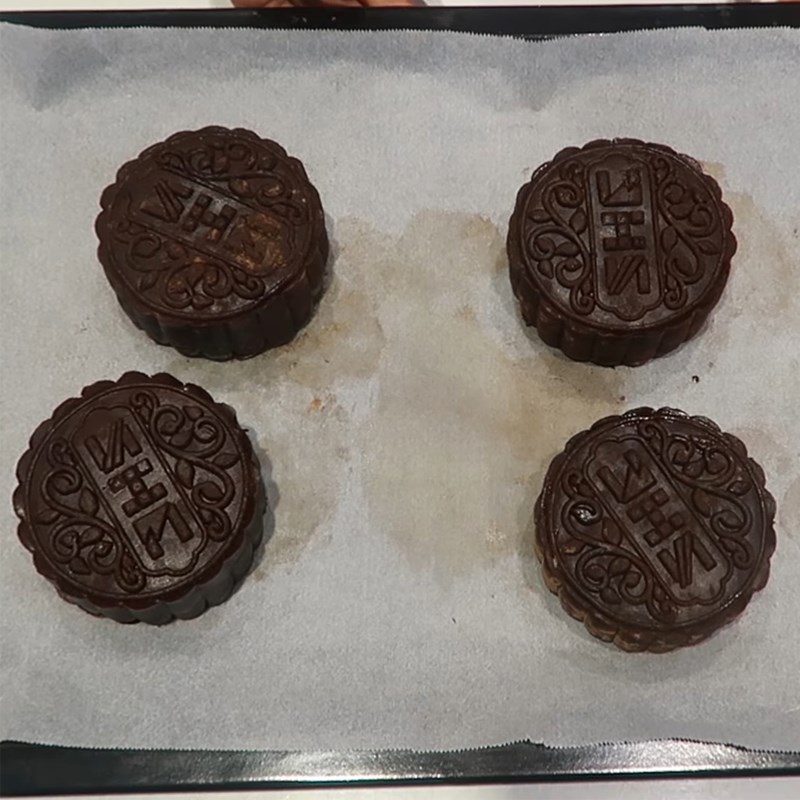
{"x": 31, "y": 769}
{"x": 38, "y": 769}
{"x": 533, "y": 21}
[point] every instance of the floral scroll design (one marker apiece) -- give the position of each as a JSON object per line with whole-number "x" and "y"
{"x": 555, "y": 244}
{"x": 605, "y": 562}
{"x": 180, "y": 276}
{"x": 203, "y": 454}
{"x": 716, "y": 486}
{"x": 249, "y": 173}
{"x": 85, "y": 539}
{"x": 689, "y": 232}
{"x": 81, "y": 537}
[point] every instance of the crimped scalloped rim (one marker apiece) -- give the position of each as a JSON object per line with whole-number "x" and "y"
{"x": 626, "y": 636}
{"x": 159, "y": 317}
{"x": 571, "y": 325}
{"x": 249, "y": 532}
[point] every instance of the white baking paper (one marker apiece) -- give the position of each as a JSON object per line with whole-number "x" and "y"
{"x": 406, "y": 432}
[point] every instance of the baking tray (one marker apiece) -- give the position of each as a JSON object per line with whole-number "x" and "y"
{"x": 531, "y": 22}
{"x": 31, "y": 769}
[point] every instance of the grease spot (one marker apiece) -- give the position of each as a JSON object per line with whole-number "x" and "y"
{"x": 308, "y": 496}
{"x": 307, "y": 398}
{"x": 66, "y": 67}
{"x": 466, "y": 313}
{"x": 764, "y": 272}
{"x": 325, "y": 404}
{"x": 470, "y": 408}
{"x": 762, "y": 245}
{"x": 789, "y": 509}
{"x": 344, "y": 339}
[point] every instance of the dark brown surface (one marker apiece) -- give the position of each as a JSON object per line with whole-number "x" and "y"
{"x": 654, "y": 528}
{"x": 214, "y": 242}
{"x": 619, "y": 250}
{"x": 141, "y": 500}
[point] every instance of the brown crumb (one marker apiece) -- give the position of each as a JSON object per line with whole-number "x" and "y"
{"x": 467, "y": 313}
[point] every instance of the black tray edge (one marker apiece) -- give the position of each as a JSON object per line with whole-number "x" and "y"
{"x": 30, "y": 769}
{"x": 531, "y": 21}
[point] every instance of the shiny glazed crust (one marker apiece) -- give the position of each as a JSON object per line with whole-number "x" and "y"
{"x": 273, "y": 322}
{"x": 584, "y": 342}
{"x": 603, "y": 626}
{"x": 213, "y": 584}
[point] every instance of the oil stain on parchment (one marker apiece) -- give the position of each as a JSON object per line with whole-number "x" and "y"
{"x": 789, "y": 510}
{"x": 465, "y": 406}
{"x": 298, "y": 402}
{"x": 470, "y": 409}
{"x": 764, "y": 295}
{"x": 764, "y": 273}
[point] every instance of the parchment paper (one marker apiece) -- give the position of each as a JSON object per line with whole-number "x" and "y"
{"x": 406, "y": 432}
